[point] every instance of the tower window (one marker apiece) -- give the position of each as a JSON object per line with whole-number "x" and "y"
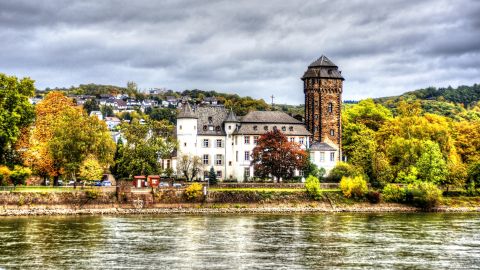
{"x": 330, "y": 107}
{"x": 332, "y": 132}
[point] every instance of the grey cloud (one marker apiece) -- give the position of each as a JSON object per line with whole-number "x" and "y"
{"x": 255, "y": 48}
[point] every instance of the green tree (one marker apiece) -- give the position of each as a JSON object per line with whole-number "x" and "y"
{"x": 91, "y": 105}
{"x": 431, "y": 165}
{"x": 145, "y": 144}
{"x": 19, "y": 175}
{"x": 212, "y": 176}
{"x": 16, "y": 112}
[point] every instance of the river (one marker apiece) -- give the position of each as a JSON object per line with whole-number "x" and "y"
{"x": 298, "y": 241}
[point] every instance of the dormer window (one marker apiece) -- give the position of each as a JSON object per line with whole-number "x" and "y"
{"x": 265, "y": 128}
{"x": 217, "y": 128}
{"x": 210, "y": 119}
{"x": 205, "y": 128}
{"x": 284, "y": 128}
{"x": 255, "y": 128}
{"x": 290, "y": 128}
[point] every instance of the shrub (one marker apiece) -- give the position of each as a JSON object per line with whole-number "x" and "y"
{"x": 312, "y": 185}
{"x": 92, "y": 194}
{"x": 194, "y": 191}
{"x": 424, "y": 194}
{"x": 354, "y": 187}
{"x": 341, "y": 170}
{"x": 393, "y": 193}
{"x": 373, "y": 196}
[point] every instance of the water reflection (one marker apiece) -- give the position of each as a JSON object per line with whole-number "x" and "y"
{"x": 344, "y": 240}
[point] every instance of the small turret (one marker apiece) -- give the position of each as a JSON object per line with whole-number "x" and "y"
{"x": 186, "y": 112}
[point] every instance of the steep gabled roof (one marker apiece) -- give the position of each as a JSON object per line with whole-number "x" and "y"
{"x": 323, "y": 68}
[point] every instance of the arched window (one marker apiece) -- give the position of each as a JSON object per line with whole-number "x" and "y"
{"x": 330, "y": 107}
{"x": 217, "y": 128}
{"x": 205, "y": 128}
{"x": 332, "y": 132}
{"x": 284, "y": 128}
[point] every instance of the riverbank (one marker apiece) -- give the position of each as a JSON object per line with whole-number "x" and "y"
{"x": 201, "y": 209}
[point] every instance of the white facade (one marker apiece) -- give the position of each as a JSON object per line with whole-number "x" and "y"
{"x": 226, "y": 143}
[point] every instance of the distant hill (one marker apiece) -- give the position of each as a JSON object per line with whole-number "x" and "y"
{"x": 456, "y": 103}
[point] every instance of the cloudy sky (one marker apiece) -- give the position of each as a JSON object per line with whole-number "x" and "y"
{"x": 255, "y": 48}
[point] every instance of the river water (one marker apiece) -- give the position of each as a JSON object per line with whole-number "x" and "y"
{"x": 298, "y": 241}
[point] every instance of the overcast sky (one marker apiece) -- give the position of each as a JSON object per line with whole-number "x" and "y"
{"x": 255, "y": 48}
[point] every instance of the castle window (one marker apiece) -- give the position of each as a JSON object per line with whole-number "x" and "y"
{"x": 219, "y": 159}
{"x": 246, "y": 172}
{"x": 284, "y": 128}
{"x": 206, "y": 143}
{"x": 255, "y": 128}
{"x": 265, "y": 127}
{"x": 332, "y": 156}
{"x": 210, "y": 120}
{"x": 206, "y": 159}
{"x": 332, "y": 132}
{"x": 205, "y": 128}
{"x": 330, "y": 107}
{"x": 217, "y": 128}
{"x": 290, "y": 128}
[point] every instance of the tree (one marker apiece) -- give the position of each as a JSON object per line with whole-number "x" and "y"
{"x": 145, "y": 144}
{"x": 77, "y": 136}
{"x": 91, "y": 169}
{"x": 274, "y": 155}
{"x": 212, "y": 176}
{"x": 343, "y": 169}
{"x": 19, "y": 175}
{"x": 91, "y": 105}
{"x": 189, "y": 166}
{"x": 16, "y": 112}
{"x": 106, "y": 111}
{"x": 431, "y": 165}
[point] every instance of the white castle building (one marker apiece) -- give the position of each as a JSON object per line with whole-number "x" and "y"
{"x": 225, "y": 141}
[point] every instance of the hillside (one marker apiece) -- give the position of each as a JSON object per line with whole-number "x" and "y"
{"x": 461, "y": 103}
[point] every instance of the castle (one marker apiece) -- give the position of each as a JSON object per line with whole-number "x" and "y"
{"x": 225, "y": 141}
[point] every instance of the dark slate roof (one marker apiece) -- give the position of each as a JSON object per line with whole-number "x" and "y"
{"x": 323, "y": 68}
{"x": 186, "y": 111}
{"x": 323, "y": 61}
{"x": 232, "y": 117}
{"x": 261, "y": 128}
{"x": 210, "y": 120}
{"x": 269, "y": 117}
{"x": 321, "y": 146}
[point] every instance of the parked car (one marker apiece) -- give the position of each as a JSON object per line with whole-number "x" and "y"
{"x": 106, "y": 183}
{"x": 164, "y": 184}
{"x": 60, "y": 182}
{"x": 97, "y": 183}
{"x": 177, "y": 185}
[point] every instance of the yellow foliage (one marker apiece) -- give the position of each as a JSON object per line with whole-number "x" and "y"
{"x": 193, "y": 191}
{"x": 354, "y": 186}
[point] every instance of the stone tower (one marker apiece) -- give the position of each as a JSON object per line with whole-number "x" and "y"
{"x": 322, "y": 85}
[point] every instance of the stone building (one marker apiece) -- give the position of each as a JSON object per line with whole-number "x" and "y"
{"x": 322, "y": 86}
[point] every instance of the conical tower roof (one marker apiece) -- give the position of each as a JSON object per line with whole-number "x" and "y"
{"x": 186, "y": 111}
{"x": 323, "y": 61}
{"x": 231, "y": 117}
{"x": 323, "y": 68}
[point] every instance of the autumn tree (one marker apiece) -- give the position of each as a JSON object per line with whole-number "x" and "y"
{"x": 189, "y": 166}
{"x": 16, "y": 112}
{"x": 91, "y": 169}
{"x": 431, "y": 165}
{"x": 275, "y": 156}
